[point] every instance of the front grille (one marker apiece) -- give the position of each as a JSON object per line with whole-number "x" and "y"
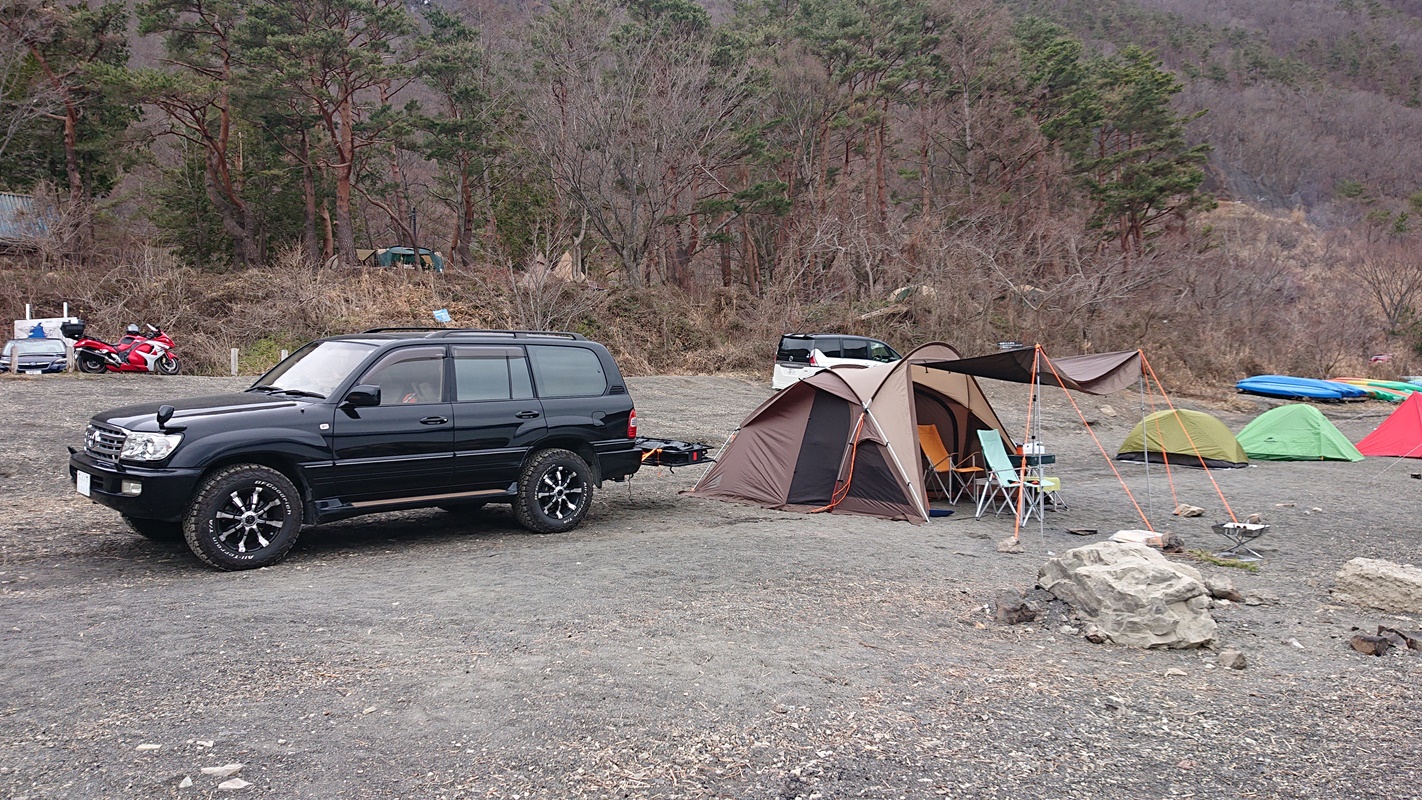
{"x": 104, "y": 442}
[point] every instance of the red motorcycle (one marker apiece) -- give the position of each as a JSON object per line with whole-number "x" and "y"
{"x": 135, "y": 352}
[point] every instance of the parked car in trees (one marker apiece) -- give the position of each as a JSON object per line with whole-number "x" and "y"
{"x": 801, "y": 355}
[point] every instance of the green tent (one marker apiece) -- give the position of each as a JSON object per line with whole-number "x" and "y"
{"x": 1183, "y": 438}
{"x": 1296, "y": 432}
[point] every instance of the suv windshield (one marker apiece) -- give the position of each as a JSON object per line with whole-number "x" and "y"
{"x": 316, "y": 369}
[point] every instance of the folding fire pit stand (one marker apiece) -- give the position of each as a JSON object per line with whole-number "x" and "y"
{"x": 1240, "y": 534}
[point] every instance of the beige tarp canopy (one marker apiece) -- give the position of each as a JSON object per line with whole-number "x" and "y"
{"x": 846, "y": 440}
{"x": 1097, "y": 373}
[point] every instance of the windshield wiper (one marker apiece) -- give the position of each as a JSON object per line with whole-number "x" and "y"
{"x": 267, "y": 387}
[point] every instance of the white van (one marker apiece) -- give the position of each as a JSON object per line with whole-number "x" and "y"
{"x": 801, "y": 355}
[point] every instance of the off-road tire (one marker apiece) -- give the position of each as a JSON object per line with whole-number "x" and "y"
{"x": 243, "y": 517}
{"x": 159, "y": 530}
{"x": 90, "y": 363}
{"x": 555, "y": 492}
{"x": 167, "y": 365}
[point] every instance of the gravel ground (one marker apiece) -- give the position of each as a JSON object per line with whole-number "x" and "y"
{"x": 678, "y": 648}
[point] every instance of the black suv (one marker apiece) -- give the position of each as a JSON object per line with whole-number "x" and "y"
{"x": 389, "y": 419}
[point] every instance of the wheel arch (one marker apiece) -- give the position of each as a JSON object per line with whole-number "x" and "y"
{"x": 279, "y": 462}
{"x": 582, "y": 447}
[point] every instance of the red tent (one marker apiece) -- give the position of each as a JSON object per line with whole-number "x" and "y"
{"x": 1400, "y": 434}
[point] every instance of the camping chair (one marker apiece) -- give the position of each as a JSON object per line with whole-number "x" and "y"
{"x": 1052, "y": 493}
{"x": 940, "y": 463}
{"x": 1003, "y": 481}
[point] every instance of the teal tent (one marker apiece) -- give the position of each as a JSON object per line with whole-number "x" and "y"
{"x": 1296, "y": 432}
{"x": 402, "y": 256}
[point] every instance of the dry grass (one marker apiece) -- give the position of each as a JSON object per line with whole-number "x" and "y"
{"x": 1251, "y": 305}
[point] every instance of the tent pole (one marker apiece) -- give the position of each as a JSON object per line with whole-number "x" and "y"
{"x": 1145, "y": 447}
{"x": 719, "y": 452}
{"x": 914, "y": 493}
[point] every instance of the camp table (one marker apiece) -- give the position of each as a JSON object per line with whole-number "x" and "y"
{"x": 1034, "y": 461}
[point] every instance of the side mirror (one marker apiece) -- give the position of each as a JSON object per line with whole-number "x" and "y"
{"x": 363, "y": 396}
{"x": 165, "y": 413}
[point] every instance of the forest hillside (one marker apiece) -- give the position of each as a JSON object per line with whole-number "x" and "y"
{"x": 1231, "y": 185}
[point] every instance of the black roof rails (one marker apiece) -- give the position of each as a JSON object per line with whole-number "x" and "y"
{"x": 441, "y": 333}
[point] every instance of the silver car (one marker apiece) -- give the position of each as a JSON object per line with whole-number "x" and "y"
{"x": 33, "y": 356}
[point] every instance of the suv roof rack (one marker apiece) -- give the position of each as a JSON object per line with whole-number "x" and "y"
{"x": 442, "y": 333}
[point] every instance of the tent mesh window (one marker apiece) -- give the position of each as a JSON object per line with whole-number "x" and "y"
{"x": 821, "y": 451}
{"x": 872, "y": 479}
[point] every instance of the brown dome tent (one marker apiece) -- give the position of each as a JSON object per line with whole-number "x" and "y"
{"x": 809, "y": 445}
{"x": 846, "y": 440}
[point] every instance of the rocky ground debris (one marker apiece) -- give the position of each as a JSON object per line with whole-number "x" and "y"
{"x": 680, "y": 648}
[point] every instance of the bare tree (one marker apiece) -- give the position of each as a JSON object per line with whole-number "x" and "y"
{"x": 632, "y": 128}
{"x": 1390, "y": 272}
{"x": 64, "y": 44}
{"x": 21, "y": 101}
{"x": 197, "y": 96}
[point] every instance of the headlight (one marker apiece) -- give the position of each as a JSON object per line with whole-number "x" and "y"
{"x": 149, "y": 446}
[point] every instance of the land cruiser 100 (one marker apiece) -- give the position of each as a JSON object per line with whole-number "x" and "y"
{"x": 389, "y": 419}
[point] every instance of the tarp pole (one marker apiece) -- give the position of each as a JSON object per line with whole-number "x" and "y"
{"x": 1037, "y": 439}
{"x": 1022, "y": 457}
{"x": 1145, "y": 446}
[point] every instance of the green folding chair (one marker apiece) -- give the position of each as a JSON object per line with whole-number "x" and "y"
{"x": 1003, "y": 481}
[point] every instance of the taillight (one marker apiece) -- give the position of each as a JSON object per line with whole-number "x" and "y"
{"x": 812, "y": 359}
{"x": 632, "y": 424}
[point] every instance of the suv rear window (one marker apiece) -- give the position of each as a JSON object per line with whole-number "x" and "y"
{"x": 794, "y": 348}
{"x": 566, "y": 371}
{"x": 490, "y": 373}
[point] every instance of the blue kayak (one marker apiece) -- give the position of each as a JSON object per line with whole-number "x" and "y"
{"x": 1290, "y": 387}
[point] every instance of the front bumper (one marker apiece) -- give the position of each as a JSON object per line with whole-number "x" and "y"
{"x": 165, "y": 492}
{"x": 36, "y": 366}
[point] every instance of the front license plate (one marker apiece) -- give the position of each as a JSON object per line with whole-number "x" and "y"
{"x": 81, "y": 482}
{"x": 33, "y": 371}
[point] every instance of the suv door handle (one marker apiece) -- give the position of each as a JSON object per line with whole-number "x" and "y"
{"x": 527, "y": 415}
{"x": 434, "y": 420}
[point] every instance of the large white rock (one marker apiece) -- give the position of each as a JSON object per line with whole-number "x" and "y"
{"x": 1133, "y": 594}
{"x": 1380, "y": 584}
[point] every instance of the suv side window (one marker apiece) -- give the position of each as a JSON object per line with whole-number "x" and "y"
{"x": 829, "y": 347}
{"x": 878, "y": 351}
{"x": 566, "y": 371}
{"x": 491, "y": 373}
{"x": 856, "y": 348}
{"x": 409, "y": 375}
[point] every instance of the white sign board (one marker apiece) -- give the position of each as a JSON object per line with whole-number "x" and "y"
{"x": 48, "y": 328}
